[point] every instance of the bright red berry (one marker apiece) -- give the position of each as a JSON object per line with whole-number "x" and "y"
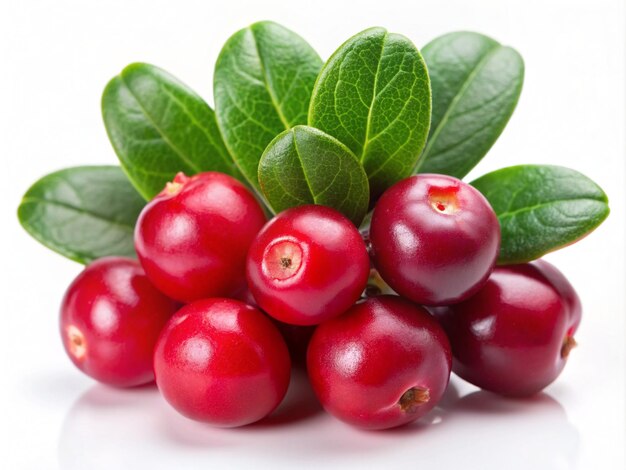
{"x": 514, "y": 336}
{"x": 383, "y": 363}
{"x": 111, "y": 317}
{"x": 193, "y": 237}
{"x": 434, "y": 239}
{"x": 307, "y": 265}
{"x": 223, "y": 362}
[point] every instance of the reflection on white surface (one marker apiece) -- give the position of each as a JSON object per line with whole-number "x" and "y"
{"x": 108, "y": 429}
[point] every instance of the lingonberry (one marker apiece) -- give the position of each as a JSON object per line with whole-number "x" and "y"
{"x": 434, "y": 239}
{"x": 383, "y": 363}
{"x": 193, "y": 237}
{"x": 565, "y": 288}
{"x": 514, "y": 336}
{"x": 223, "y": 362}
{"x": 111, "y": 317}
{"x": 307, "y": 265}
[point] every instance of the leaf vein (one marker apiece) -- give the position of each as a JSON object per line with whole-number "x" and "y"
{"x": 462, "y": 90}
{"x": 183, "y": 157}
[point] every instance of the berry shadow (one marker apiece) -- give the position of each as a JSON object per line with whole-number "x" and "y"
{"x": 300, "y": 403}
{"x": 483, "y": 402}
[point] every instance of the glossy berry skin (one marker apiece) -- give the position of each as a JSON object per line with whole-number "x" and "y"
{"x": 565, "y": 289}
{"x": 111, "y": 317}
{"x": 514, "y": 336}
{"x": 193, "y": 237}
{"x": 307, "y": 265}
{"x": 434, "y": 239}
{"x": 383, "y": 363}
{"x": 222, "y": 362}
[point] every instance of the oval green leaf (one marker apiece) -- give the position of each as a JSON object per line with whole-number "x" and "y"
{"x": 262, "y": 85}
{"x": 83, "y": 213}
{"x": 373, "y": 95}
{"x": 304, "y": 165}
{"x": 476, "y": 83}
{"x": 541, "y": 208}
{"x": 158, "y": 126}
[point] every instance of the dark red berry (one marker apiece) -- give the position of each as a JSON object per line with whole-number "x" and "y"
{"x": 111, "y": 317}
{"x": 514, "y": 336}
{"x": 193, "y": 237}
{"x": 223, "y": 362}
{"x": 296, "y": 336}
{"x": 383, "y": 363}
{"x": 307, "y": 265}
{"x": 560, "y": 282}
{"x": 434, "y": 239}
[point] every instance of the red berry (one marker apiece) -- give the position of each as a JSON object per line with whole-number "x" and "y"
{"x": 383, "y": 363}
{"x": 514, "y": 336}
{"x": 223, "y": 362}
{"x": 560, "y": 282}
{"x": 193, "y": 237}
{"x": 434, "y": 239}
{"x": 111, "y": 317}
{"x": 307, "y": 265}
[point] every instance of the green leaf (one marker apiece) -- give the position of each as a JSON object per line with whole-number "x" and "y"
{"x": 262, "y": 85}
{"x": 158, "y": 127}
{"x": 541, "y": 208}
{"x": 303, "y": 165}
{"x": 373, "y": 95}
{"x": 476, "y": 83}
{"x": 83, "y": 213}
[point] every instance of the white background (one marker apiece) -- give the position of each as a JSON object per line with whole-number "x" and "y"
{"x": 56, "y": 57}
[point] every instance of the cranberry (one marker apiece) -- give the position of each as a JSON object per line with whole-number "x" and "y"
{"x": 434, "y": 239}
{"x": 223, "y": 362}
{"x": 111, "y": 317}
{"x": 307, "y": 265}
{"x": 383, "y": 363}
{"x": 193, "y": 237}
{"x": 514, "y": 336}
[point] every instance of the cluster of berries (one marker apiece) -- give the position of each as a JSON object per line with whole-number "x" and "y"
{"x": 222, "y": 302}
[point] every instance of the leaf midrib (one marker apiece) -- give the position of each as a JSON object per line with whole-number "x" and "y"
{"x": 459, "y": 95}
{"x": 374, "y": 94}
{"x": 534, "y": 207}
{"x": 161, "y": 132}
{"x": 34, "y": 200}
{"x": 306, "y": 178}
{"x": 197, "y": 123}
{"x": 266, "y": 80}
